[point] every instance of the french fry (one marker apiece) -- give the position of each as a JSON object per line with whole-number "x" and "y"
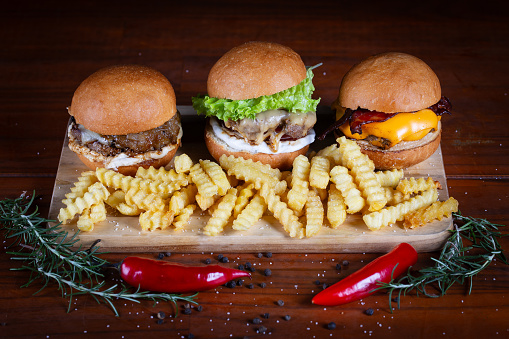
{"x": 413, "y": 185}
{"x": 218, "y": 176}
{"x": 205, "y": 202}
{"x": 222, "y": 214}
{"x": 182, "y": 219}
{"x": 115, "y": 198}
{"x": 332, "y": 153}
{"x": 91, "y": 216}
{"x": 344, "y": 183}
{"x": 389, "y": 215}
{"x": 126, "y": 209}
{"x": 246, "y": 192}
{"x": 159, "y": 174}
{"x": 183, "y": 163}
{"x": 154, "y": 219}
{"x": 250, "y": 214}
{"x": 205, "y": 185}
{"x": 282, "y": 213}
{"x": 180, "y": 199}
{"x": 143, "y": 199}
{"x": 389, "y": 178}
{"x": 319, "y": 173}
{"x": 301, "y": 168}
{"x": 336, "y": 207}
{"x": 85, "y": 180}
{"x": 314, "y": 214}
{"x": 394, "y": 196}
{"x": 437, "y": 210}
{"x": 96, "y": 193}
{"x": 297, "y": 196}
{"x": 362, "y": 171}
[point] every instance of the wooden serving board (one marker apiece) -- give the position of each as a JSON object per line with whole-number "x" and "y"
{"x": 123, "y": 234}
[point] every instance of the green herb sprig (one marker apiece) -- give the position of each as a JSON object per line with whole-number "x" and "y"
{"x": 472, "y": 246}
{"x": 47, "y": 252}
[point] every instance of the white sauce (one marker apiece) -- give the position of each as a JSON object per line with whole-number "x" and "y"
{"x": 240, "y": 145}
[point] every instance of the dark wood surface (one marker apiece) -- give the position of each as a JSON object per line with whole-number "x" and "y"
{"x": 49, "y": 47}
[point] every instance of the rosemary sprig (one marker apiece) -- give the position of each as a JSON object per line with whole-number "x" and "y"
{"x": 455, "y": 264}
{"x": 47, "y": 252}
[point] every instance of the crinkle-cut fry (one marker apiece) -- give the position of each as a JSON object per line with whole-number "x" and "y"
{"x": 205, "y": 185}
{"x": 413, "y": 185}
{"x": 85, "y": 180}
{"x": 152, "y": 220}
{"x": 394, "y": 196}
{"x": 228, "y": 161}
{"x": 117, "y": 180}
{"x": 218, "y": 176}
{"x": 344, "y": 183}
{"x": 96, "y": 193}
{"x": 282, "y": 213}
{"x": 389, "y": 178}
{"x": 252, "y": 172}
{"x": 182, "y": 219}
{"x": 250, "y": 214}
{"x": 314, "y": 214}
{"x": 127, "y": 209}
{"x": 144, "y": 200}
{"x": 183, "y": 197}
{"x": 336, "y": 207}
{"x": 437, "y": 210}
{"x": 389, "y": 215}
{"x": 362, "y": 171}
{"x": 322, "y": 192}
{"x": 246, "y": 192}
{"x": 297, "y": 195}
{"x": 332, "y": 153}
{"x": 205, "y": 202}
{"x": 116, "y": 198}
{"x": 159, "y": 174}
{"x": 91, "y": 216}
{"x": 183, "y": 163}
{"x": 319, "y": 172}
{"x": 222, "y": 214}
{"x": 301, "y": 168}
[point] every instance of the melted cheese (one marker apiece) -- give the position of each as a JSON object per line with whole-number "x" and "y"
{"x": 401, "y": 127}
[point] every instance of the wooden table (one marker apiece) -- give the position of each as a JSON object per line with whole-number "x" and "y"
{"x": 48, "y": 48}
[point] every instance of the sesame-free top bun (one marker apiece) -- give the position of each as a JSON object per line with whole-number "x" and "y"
{"x": 255, "y": 69}
{"x": 123, "y": 99}
{"x": 390, "y": 83}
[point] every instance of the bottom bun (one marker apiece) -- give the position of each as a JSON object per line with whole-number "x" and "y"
{"x": 283, "y": 161}
{"x": 132, "y": 169}
{"x": 407, "y": 154}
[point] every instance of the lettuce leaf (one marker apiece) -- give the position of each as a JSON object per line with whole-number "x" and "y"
{"x": 296, "y": 99}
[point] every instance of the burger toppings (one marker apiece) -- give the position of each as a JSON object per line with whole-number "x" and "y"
{"x": 386, "y": 130}
{"x": 271, "y": 127}
{"x": 130, "y": 144}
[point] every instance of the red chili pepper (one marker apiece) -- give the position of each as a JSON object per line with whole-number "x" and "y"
{"x": 362, "y": 283}
{"x": 162, "y": 276}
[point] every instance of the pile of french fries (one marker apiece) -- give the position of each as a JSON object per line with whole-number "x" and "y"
{"x": 321, "y": 189}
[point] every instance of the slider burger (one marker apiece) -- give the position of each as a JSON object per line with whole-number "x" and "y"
{"x": 124, "y": 117}
{"x": 391, "y": 104}
{"x": 259, "y": 105}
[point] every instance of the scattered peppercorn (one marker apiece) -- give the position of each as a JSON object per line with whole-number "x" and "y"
{"x": 280, "y": 302}
{"x": 267, "y": 272}
{"x": 219, "y": 257}
{"x": 287, "y": 317}
{"x": 369, "y": 311}
{"x": 224, "y": 260}
{"x": 241, "y": 267}
{"x": 257, "y": 321}
{"x": 161, "y": 315}
{"x": 240, "y": 282}
{"x": 396, "y": 299}
{"x": 250, "y": 286}
{"x": 168, "y": 254}
{"x": 331, "y": 325}
{"x": 231, "y": 284}
{"x": 187, "y": 310}
{"x": 268, "y": 254}
{"x": 199, "y": 308}
{"x": 252, "y": 269}
{"x": 317, "y": 282}
{"x": 346, "y": 263}
{"x": 262, "y": 329}
{"x": 208, "y": 261}
{"x": 248, "y": 265}
{"x": 160, "y": 255}
{"x": 266, "y": 315}
{"x": 190, "y": 336}
{"x": 263, "y": 285}
{"x": 160, "y": 321}
{"x": 259, "y": 255}
{"x": 338, "y": 267}
{"x": 324, "y": 286}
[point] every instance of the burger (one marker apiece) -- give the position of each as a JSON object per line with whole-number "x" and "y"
{"x": 124, "y": 117}
{"x": 259, "y": 105}
{"x": 392, "y": 105}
